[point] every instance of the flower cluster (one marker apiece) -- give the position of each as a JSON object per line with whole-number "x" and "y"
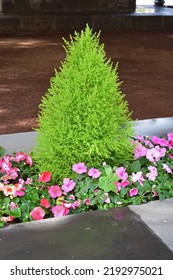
{"x": 26, "y": 195}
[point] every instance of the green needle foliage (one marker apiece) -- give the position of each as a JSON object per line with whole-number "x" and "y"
{"x": 83, "y": 117}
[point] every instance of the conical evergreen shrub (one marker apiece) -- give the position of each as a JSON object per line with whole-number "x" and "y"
{"x": 83, "y": 117}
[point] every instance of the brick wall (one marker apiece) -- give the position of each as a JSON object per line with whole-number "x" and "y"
{"x": 68, "y": 6}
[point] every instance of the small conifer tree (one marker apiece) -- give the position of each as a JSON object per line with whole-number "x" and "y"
{"x": 83, "y": 117}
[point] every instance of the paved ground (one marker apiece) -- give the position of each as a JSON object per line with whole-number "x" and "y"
{"x": 142, "y": 232}
{"x": 26, "y": 65}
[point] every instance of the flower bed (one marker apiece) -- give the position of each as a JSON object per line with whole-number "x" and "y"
{"x": 27, "y": 195}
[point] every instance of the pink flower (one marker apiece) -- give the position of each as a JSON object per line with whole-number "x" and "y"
{"x": 160, "y": 141}
{"x": 94, "y": 173}
{"x": 121, "y": 172}
{"x": 75, "y": 204}
{"x": 79, "y": 168}
{"x": 29, "y": 160}
{"x": 68, "y": 185}
{"x": 138, "y": 177}
{"x": 72, "y": 197}
{"x": 45, "y": 177}
{"x": 153, "y": 191}
{"x": 170, "y": 136}
{"x": 148, "y": 143}
{"x": 21, "y": 181}
{"x": 59, "y": 211}
{"x": 125, "y": 183}
{"x": 45, "y": 202}
{"x": 13, "y": 205}
{"x": 107, "y": 199}
{"x": 9, "y": 190}
{"x": 155, "y": 154}
{"x": 133, "y": 192}
{"x": 37, "y": 213}
{"x": 20, "y": 190}
{"x": 140, "y": 138}
{"x": 55, "y": 191}
{"x": 139, "y": 151}
{"x": 87, "y": 201}
{"x": 153, "y": 173}
{"x": 14, "y": 173}
{"x": 19, "y": 156}
{"x": 28, "y": 181}
{"x": 7, "y": 219}
{"x": 6, "y": 167}
{"x": 167, "y": 168}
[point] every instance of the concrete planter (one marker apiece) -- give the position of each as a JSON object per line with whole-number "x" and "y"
{"x": 115, "y": 234}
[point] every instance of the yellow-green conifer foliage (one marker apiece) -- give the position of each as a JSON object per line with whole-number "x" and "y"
{"x": 83, "y": 117}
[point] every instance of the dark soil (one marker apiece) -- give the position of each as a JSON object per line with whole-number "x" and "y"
{"x": 27, "y": 63}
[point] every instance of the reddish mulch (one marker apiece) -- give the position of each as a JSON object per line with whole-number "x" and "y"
{"x": 27, "y": 64}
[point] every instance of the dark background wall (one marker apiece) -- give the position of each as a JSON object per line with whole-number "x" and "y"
{"x": 53, "y": 6}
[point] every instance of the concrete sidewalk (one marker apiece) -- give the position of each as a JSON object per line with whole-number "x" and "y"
{"x": 143, "y": 232}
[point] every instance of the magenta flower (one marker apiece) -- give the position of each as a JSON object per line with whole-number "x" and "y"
{"x": 79, "y": 168}
{"x": 118, "y": 185}
{"x": 94, "y": 173}
{"x": 153, "y": 173}
{"x": 55, "y": 191}
{"x": 133, "y": 192}
{"x": 60, "y": 211}
{"x": 68, "y": 185}
{"x": 45, "y": 202}
{"x": 138, "y": 177}
{"x": 45, "y": 177}
{"x": 171, "y": 155}
{"x": 37, "y": 213}
{"x": 167, "y": 168}
{"x": 160, "y": 141}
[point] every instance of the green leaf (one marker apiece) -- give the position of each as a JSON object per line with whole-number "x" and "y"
{"x": 136, "y": 166}
{"x": 106, "y": 184}
{"x": 16, "y": 212}
{"x": 2, "y": 224}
